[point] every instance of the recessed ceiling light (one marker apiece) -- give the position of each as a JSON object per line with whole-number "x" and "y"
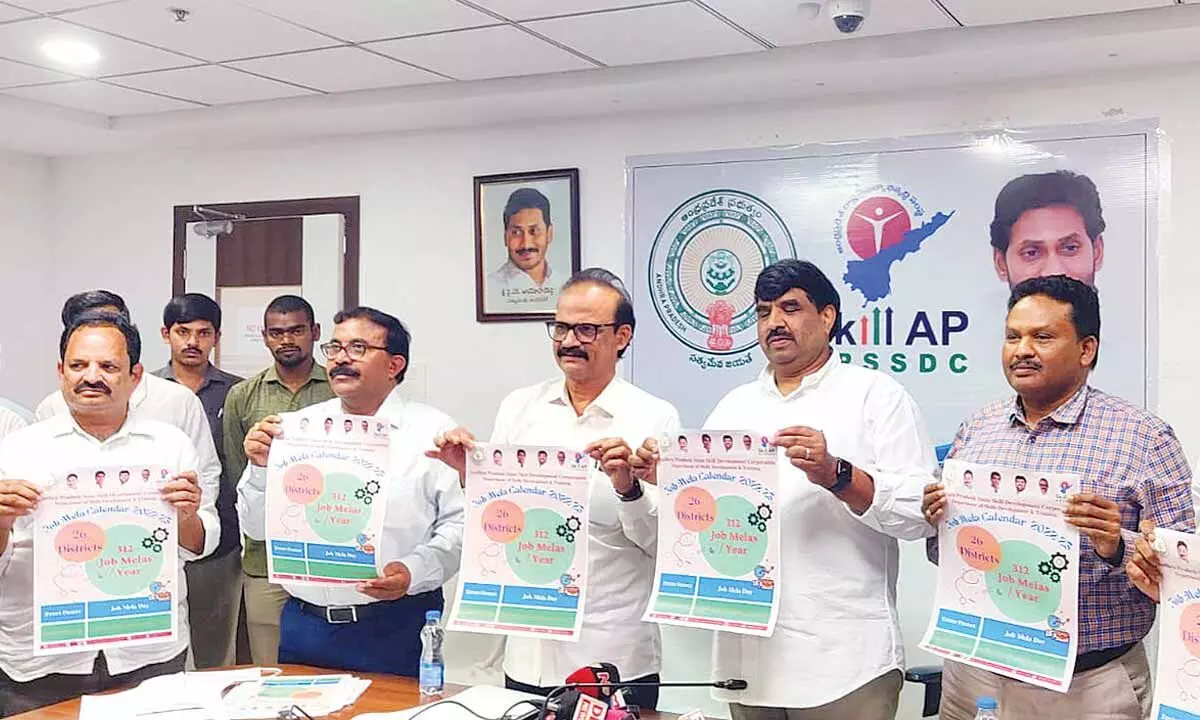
{"x": 70, "y": 52}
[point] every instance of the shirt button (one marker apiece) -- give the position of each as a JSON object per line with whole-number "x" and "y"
{"x": 1032, "y": 439}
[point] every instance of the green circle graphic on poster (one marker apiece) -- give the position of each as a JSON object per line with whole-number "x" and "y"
{"x": 539, "y": 556}
{"x": 127, "y": 566}
{"x": 731, "y": 545}
{"x": 1017, "y": 586}
{"x": 338, "y": 516}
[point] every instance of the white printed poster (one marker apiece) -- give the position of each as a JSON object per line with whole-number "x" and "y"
{"x": 882, "y": 218}
{"x": 718, "y": 533}
{"x": 525, "y": 550}
{"x": 1008, "y": 574}
{"x": 106, "y": 559}
{"x": 1177, "y": 678}
{"x": 327, "y": 485}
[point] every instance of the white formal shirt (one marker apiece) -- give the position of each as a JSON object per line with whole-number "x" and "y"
{"x": 838, "y": 627}
{"x": 423, "y": 523}
{"x": 157, "y": 399}
{"x": 10, "y": 421}
{"x": 52, "y": 448}
{"x": 622, "y": 536}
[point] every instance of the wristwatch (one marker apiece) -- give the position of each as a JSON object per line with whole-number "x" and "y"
{"x": 844, "y": 475}
{"x": 633, "y": 493}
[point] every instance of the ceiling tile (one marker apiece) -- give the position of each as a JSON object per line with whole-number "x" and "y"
{"x": 783, "y": 23}
{"x": 215, "y": 30}
{"x": 212, "y": 85}
{"x": 363, "y": 20}
{"x": 53, "y": 6}
{"x": 23, "y": 40}
{"x": 12, "y": 74}
{"x": 643, "y": 35}
{"x": 975, "y": 12}
{"x": 530, "y": 9}
{"x": 98, "y": 97}
{"x": 8, "y": 13}
{"x": 340, "y": 69}
{"x": 502, "y": 51}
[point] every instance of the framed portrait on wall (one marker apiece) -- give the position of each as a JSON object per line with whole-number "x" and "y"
{"x": 526, "y": 243}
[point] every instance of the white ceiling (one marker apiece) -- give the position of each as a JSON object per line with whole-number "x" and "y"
{"x": 233, "y": 52}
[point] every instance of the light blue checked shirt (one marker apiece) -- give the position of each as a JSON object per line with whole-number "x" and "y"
{"x": 1121, "y": 452}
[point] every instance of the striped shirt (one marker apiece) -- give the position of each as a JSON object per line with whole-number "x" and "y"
{"x": 1120, "y": 452}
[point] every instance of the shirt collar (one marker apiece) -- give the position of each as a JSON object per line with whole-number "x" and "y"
{"x": 65, "y": 425}
{"x": 510, "y": 269}
{"x": 810, "y": 382}
{"x": 212, "y": 374}
{"x": 610, "y": 401}
{"x": 1069, "y": 413}
{"x": 317, "y": 374}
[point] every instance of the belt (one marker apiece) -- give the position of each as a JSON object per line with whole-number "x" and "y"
{"x": 1097, "y": 658}
{"x": 343, "y": 614}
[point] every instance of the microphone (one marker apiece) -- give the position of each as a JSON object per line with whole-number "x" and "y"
{"x": 599, "y": 681}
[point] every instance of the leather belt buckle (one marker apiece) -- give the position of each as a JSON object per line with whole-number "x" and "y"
{"x": 341, "y": 615}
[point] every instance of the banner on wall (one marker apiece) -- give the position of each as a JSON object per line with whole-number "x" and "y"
{"x": 903, "y": 229}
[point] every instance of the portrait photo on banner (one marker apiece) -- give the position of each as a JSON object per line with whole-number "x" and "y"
{"x": 526, "y": 243}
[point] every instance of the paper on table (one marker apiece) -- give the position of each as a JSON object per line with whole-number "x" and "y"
{"x": 485, "y": 700}
{"x": 181, "y": 696}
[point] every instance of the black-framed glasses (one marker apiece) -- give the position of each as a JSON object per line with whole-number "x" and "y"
{"x": 355, "y": 349}
{"x": 584, "y": 332}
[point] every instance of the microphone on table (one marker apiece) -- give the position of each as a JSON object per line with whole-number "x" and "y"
{"x": 599, "y": 687}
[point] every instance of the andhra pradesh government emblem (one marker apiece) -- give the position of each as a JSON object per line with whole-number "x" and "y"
{"x": 703, "y": 265}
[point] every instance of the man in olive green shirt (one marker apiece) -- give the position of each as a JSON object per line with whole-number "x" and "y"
{"x": 295, "y": 381}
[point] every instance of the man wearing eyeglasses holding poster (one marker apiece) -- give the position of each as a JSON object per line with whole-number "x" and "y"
{"x": 375, "y": 625}
{"x": 590, "y": 409}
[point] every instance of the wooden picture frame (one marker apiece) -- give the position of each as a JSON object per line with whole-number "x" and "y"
{"x": 522, "y": 257}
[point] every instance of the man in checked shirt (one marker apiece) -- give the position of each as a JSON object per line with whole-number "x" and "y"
{"x": 1132, "y": 468}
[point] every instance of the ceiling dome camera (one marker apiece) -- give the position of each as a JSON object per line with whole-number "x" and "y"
{"x": 848, "y": 15}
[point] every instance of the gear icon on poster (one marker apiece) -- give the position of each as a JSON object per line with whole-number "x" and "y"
{"x": 573, "y": 524}
{"x": 1059, "y": 561}
{"x": 160, "y": 535}
{"x": 372, "y": 487}
{"x": 764, "y": 511}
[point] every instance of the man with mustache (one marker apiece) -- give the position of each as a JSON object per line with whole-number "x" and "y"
{"x": 152, "y": 396}
{"x": 294, "y": 381}
{"x": 373, "y": 626}
{"x": 1048, "y": 224}
{"x": 99, "y": 369}
{"x": 589, "y": 408}
{"x": 528, "y": 234}
{"x": 855, "y": 458}
{"x": 1130, "y": 467}
{"x": 191, "y": 328}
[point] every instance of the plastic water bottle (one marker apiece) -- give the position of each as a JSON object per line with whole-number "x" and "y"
{"x": 433, "y": 664}
{"x": 985, "y": 708}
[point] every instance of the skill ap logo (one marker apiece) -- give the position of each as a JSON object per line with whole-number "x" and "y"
{"x": 703, "y": 265}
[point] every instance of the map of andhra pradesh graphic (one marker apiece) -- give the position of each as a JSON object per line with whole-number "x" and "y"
{"x": 879, "y": 231}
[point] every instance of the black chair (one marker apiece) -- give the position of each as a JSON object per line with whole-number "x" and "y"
{"x": 931, "y": 677}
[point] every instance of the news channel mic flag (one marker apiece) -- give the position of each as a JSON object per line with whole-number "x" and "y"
{"x": 921, "y": 236}
{"x": 527, "y": 242}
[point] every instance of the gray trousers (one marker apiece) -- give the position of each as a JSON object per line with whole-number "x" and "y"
{"x": 214, "y": 596}
{"x": 877, "y": 700}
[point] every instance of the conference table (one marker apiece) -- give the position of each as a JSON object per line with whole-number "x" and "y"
{"x": 386, "y": 693}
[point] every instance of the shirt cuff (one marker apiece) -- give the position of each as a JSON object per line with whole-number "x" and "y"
{"x": 212, "y": 536}
{"x": 637, "y": 508}
{"x": 1129, "y": 540}
{"x": 418, "y": 573}
{"x": 257, "y": 478}
{"x": 6, "y": 556}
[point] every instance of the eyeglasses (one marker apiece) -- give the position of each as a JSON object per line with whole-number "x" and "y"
{"x": 355, "y": 349}
{"x": 584, "y": 332}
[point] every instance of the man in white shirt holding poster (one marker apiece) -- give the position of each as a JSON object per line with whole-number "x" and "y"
{"x": 851, "y": 475}
{"x": 373, "y": 626}
{"x": 590, "y": 408}
{"x": 99, "y": 368}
